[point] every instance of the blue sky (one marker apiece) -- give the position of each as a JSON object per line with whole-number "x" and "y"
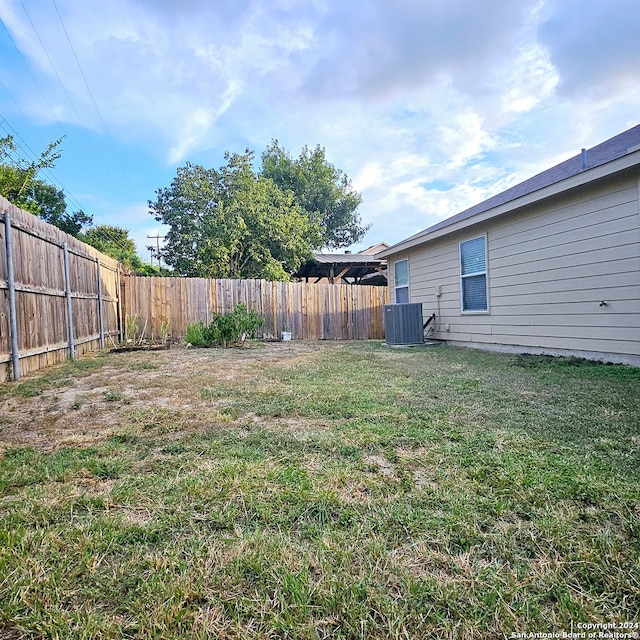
{"x": 429, "y": 107}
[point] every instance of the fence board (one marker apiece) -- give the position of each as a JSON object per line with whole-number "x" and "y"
{"x": 309, "y": 311}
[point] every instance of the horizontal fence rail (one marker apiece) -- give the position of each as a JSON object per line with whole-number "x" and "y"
{"x": 58, "y": 296}
{"x": 308, "y": 311}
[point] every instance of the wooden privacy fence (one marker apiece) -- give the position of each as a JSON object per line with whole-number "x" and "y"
{"x": 308, "y": 311}
{"x": 58, "y": 296}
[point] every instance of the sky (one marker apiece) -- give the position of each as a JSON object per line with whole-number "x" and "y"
{"x": 429, "y": 106}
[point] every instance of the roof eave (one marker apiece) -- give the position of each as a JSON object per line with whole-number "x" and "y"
{"x": 602, "y": 171}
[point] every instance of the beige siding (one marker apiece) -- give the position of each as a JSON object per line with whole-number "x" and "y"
{"x": 551, "y": 265}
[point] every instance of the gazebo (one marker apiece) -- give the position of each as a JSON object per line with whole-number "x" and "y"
{"x": 351, "y": 268}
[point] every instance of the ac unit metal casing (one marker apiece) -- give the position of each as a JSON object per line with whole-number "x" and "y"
{"x": 403, "y": 323}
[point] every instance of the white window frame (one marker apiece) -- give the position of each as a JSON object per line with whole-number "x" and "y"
{"x": 484, "y": 273}
{"x": 395, "y": 281}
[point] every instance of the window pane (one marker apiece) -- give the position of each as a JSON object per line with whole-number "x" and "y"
{"x": 472, "y": 256}
{"x": 474, "y": 293}
{"x": 402, "y": 295}
{"x": 401, "y": 273}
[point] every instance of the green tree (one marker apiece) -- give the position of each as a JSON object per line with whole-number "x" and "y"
{"x": 19, "y": 184}
{"x": 112, "y": 240}
{"x": 115, "y": 242}
{"x": 232, "y": 223}
{"x": 324, "y": 192}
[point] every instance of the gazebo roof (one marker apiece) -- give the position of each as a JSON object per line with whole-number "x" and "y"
{"x": 336, "y": 266}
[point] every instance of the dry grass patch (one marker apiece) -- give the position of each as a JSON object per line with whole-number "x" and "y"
{"x": 84, "y": 406}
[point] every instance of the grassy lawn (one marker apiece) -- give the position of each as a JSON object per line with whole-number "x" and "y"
{"x": 319, "y": 491}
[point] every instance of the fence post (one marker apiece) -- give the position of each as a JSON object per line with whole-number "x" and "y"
{"x": 100, "y": 309}
{"x": 11, "y": 286}
{"x": 67, "y": 282}
{"x": 119, "y": 306}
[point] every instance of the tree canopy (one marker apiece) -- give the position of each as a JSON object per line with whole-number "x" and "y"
{"x": 114, "y": 241}
{"x": 324, "y": 192}
{"x": 232, "y": 223}
{"x": 20, "y": 185}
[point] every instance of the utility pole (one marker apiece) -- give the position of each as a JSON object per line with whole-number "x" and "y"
{"x": 151, "y": 249}
{"x": 157, "y": 238}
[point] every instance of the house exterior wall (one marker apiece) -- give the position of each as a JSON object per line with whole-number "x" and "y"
{"x": 550, "y": 266}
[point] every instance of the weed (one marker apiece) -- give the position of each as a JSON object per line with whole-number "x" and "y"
{"x": 233, "y": 327}
{"x": 194, "y": 334}
{"x": 114, "y": 396}
{"x": 225, "y": 328}
{"x": 133, "y": 333}
{"x": 164, "y": 331}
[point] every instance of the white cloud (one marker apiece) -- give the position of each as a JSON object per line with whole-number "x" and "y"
{"x": 465, "y": 138}
{"x": 530, "y": 80}
{"x": 369, "y": 176}
{"x": 429, "y": 106}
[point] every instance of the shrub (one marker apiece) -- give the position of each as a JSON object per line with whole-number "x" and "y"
{"x": 225, "y": 328}
{"x": 195, "y": 334}
{"x": 232, "y": 327}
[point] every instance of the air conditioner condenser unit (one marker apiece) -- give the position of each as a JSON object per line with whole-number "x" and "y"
{"x": 403, "y": 323}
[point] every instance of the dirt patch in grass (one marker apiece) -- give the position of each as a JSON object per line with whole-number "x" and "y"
{"x": 156, "y": 390}
{"x": 382, "y": 465}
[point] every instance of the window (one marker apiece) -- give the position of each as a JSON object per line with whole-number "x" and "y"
{"x": 473, "y": 274}
{"x": 401, "y": 280}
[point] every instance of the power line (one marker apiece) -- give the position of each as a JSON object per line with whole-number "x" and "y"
{"x": 22, "y": 149}
{"x": 14, "y": 133}
{"x": 25, "y": 149}
{"x": 53, "y": 68}
{"x": 28, "y": 68}
{"x": 4, "y": 86}
{"x": 86, "y": 84}
{"x": 66, "y": 93}
{"x": 34, "y": 156}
